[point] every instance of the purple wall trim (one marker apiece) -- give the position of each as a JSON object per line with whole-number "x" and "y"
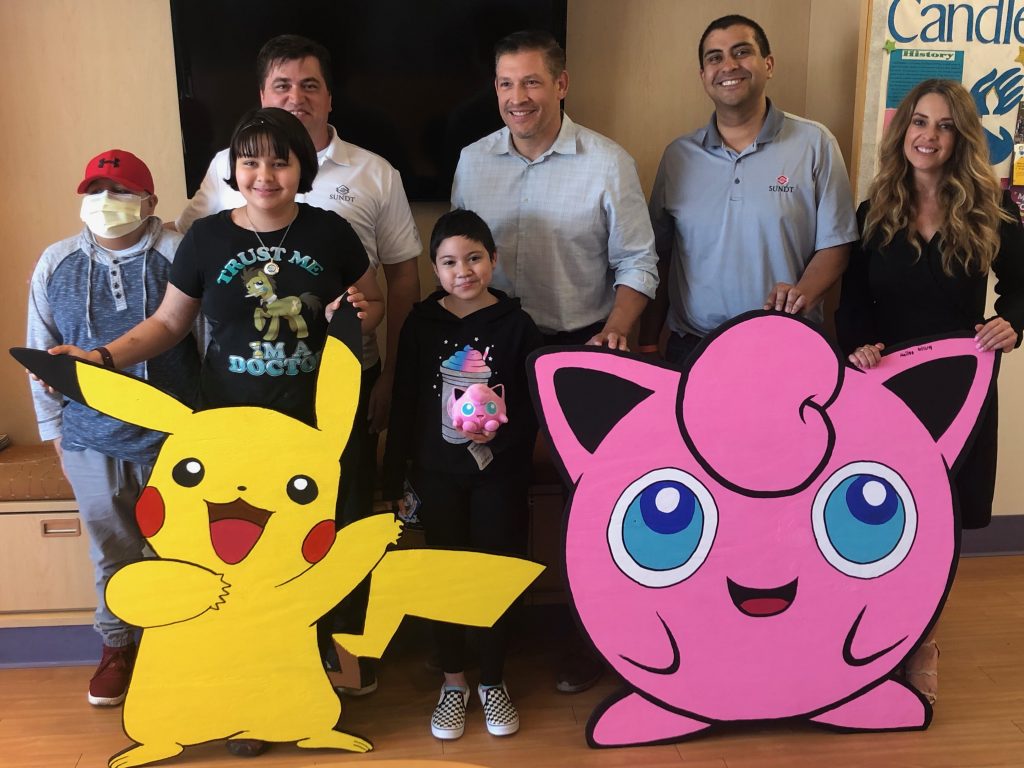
{"x": 1004, "y": 536}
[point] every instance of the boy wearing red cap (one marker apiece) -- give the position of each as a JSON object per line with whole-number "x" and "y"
{"x": 87, "y": 290}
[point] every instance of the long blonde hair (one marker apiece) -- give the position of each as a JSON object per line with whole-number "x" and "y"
{"x": 969, "y": 194}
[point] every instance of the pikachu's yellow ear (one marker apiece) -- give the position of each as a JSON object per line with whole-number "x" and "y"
{"x": 337, "y": 390}
{"x": 130, "y": 399}
{"x": 111, "y": 392}
{"x": 337, "y": 384}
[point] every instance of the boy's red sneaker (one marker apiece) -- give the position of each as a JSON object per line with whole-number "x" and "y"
{"x": 109, "y": 683}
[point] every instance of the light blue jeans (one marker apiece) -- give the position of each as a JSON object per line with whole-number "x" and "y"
{"x": 106, "y": 490}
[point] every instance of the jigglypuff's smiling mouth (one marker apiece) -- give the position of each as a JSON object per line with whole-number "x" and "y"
{"x": 760, "y": 603}
{"x": 235, "y": 528}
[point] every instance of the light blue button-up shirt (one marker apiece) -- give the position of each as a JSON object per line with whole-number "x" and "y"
{"x": 569, "y": 226}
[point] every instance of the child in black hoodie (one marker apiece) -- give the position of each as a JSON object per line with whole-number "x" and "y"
{"x": 462, "y": 431}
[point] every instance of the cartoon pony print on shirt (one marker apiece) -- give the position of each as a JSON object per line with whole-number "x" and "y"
{"x": 260, "y": 285}
{"x": 781, "y": 545}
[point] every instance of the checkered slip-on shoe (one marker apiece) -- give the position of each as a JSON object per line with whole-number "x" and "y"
{"x": 500, "y": 714}
{"x": 449, "y": 718}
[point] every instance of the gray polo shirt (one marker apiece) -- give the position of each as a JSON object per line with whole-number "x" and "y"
{"x": 737, "y": 223}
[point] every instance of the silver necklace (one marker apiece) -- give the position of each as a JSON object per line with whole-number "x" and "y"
{"x": 270, "y": 268}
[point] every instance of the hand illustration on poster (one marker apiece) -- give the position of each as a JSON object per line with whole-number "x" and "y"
{"x": 766, "y": 534}
{"x": 1005, "y": 87}
{"x": 240, "y": 512}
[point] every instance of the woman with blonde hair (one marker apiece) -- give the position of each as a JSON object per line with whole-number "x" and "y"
{"x": 935, "y": 224}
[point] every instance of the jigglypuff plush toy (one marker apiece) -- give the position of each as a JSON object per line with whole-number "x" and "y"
{"x": 240, "y": 512}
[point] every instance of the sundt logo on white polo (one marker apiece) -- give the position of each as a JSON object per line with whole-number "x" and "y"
{"x": 342, "y": 193}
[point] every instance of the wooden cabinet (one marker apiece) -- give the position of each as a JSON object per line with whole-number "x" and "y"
{"x": 44, "y": 560}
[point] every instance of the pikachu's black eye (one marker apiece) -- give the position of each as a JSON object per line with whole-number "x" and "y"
{"x": 188, "y": 472}
{"x": 302, "y": 489}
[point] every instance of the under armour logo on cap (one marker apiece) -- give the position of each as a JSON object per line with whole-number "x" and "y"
{"x": 119, "y": 166}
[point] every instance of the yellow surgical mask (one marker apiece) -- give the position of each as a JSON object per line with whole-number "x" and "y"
{"x": 110, "y": 215}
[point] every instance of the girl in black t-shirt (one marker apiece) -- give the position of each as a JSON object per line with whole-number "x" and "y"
{"x": 267, "y": 278}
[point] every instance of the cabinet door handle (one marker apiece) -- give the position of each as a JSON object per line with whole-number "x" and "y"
{"x": 66, "y": 526}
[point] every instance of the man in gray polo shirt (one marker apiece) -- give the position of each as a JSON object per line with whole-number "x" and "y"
{"x": 753, "y": 210}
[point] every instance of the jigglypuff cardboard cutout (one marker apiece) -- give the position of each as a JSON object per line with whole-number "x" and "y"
{"x": 240, "y": 512}
{"x": 766, "y": 534}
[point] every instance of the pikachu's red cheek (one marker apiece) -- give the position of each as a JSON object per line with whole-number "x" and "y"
{"x": 318, "y": 541}
{"x": 149, "y": 511}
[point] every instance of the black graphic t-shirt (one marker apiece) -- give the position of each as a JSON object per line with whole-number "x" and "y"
{"x": 265, "y": 304}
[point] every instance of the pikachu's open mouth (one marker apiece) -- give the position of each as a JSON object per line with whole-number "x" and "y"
{"x": 235, "y": 528}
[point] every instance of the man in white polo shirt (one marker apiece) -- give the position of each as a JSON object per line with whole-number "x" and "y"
{"x": 295, "y": 74}
{"x": 753, "y": 210}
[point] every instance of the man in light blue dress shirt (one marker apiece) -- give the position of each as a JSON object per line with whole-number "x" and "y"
{"x": 569, "y": 219}
{"x": 752, "y": 210}
{"x": 564, "y": 203}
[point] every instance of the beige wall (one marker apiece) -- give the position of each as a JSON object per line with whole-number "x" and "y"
{"x": 70, "y": 92}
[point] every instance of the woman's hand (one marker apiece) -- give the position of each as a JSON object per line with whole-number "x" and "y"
{"x": 867, "y": 356}
{"x": 995, "y": 334}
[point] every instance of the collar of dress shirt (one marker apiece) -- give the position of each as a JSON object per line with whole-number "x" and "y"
{"x": 564, "y": 144}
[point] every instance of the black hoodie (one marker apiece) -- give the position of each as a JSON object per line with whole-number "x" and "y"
{"x": 498, "y": 338}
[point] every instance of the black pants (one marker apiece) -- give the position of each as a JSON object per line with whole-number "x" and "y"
{"x": 486, "y": 512}
{"x": 680, "y": 347}
{"x": 568, "y": 338}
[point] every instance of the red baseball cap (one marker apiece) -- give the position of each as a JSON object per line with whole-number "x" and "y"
{"x": 120, "y": 166}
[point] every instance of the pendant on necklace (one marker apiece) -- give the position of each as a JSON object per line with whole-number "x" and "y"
{"x": 270, "y": 268}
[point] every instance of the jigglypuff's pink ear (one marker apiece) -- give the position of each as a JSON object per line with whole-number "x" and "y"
{"x": 946, "y": 383}
{"x": 581, "y": 396}
{"x": 499, "y": 390}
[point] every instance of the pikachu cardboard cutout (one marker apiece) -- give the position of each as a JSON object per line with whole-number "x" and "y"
{"x": 248, "y": 559}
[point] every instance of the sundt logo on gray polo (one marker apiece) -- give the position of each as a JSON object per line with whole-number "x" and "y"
{"x": 782, "y": 184}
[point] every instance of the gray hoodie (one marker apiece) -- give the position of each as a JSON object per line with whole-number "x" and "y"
{"x": 84, "y": 295}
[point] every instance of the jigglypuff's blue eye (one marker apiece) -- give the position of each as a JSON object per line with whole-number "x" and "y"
{"x": 491, "y": 407}
{"x": 467, "y": 409}
{"x": 864, "y": 519}
{"x": 662, "y": 527}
